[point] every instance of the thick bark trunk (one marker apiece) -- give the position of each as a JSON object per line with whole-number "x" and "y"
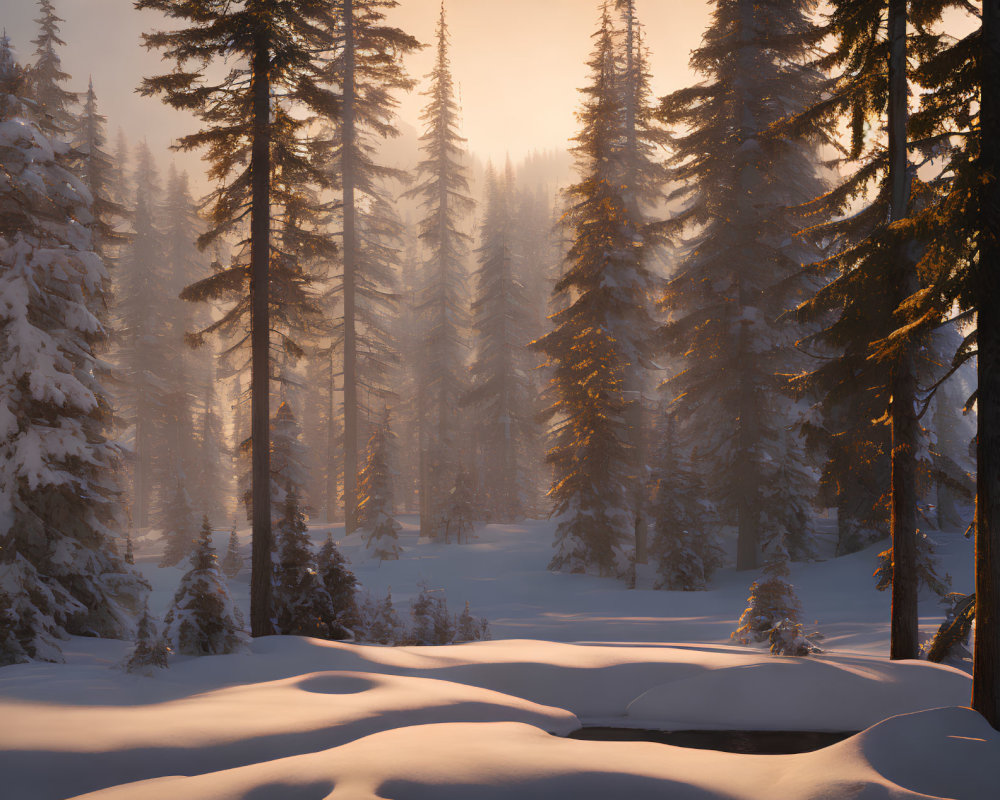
{"x": 332, "y": 499}
{"x": 904, "y": 633}
{"x": 350, "y": 266}
{"x": 260, "y": 256}
{"x": 986, "y": 658}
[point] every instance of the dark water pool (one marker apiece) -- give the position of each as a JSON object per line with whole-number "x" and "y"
{"x": 753, "y": 742}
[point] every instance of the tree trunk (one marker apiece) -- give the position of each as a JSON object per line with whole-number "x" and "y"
{"x": 904, "y": 633}
{"x": 350, "y": 265}
{"x": 260, "y": 256}
{"x": 332, "y": 500}
{"x": 986, "y": 657}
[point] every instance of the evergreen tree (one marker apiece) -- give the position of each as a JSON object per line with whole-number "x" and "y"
{"x": 459, "y": 514}
{"x": 52, "y": 102}
{"x": 129, "y": 552}
{"x": 500, "y": 389}
{"x": 470, "y": 629}
{"x": 430, "y": 622}
{"x": 379, "y": 623}
{"x": 149, "y": 652}
{"x": 368, "y": 67}
{"x": 96, "y": 169}
{"x": 202, "y": 620}
{"x": 233, "y": 561}
{"x": 684, "y": 548}
{"x": 144, "y": 346}
{"x": 180, "y": 536}
{"x": 341, "y": 586}
{"x": 442, "y": 187}
{"x": 771, "y": 602}
{"x": 302, "y": 606}
{"x": 375, "y": 509}
{"x": 259, "y": 120}
{"x": 876, "y": 265}
{"x": 600, "y": 334}
{"x": 58, "y": 496}
{"x": 742, "y": 271}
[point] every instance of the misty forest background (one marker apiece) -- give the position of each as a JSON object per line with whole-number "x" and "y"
{"x": 736, "y": 325}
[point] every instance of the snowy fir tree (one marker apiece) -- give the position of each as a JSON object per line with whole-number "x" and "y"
{"x": 232, "y": 563}
{"x": 600, "y": 335}
{"x": 181, "y": 533}
{"x": 376, "y": 522}
{"x": 430, "y": 622}
{"x": 202, "y": 619}
{"x": 341, "y": 585}
{"x": 52, "y": 102}
{"x": 149, "y": 652}
{"x": 470, "y": 629}
{"x": 58, "y": 492}
{"x": 368, "y": 66}
{"x": 501, "y": 408}
{"x": 742, "y": 270}
{"x": 145, "y": 346}
{"x": 378, "y": 621}
{"x": 772, "y": 600}
{"x": 302, "y": 606}
{"x": 442, "y": 188}
{"x": 458, "y": 517}
{"x": 684, "y": 547}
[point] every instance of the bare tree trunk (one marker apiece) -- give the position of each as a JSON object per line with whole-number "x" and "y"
{"x": 260, "y": 256}
{"x": 986, "y": 657}
{"x": 904, "y": 634}
{"x": 350, "y": 265}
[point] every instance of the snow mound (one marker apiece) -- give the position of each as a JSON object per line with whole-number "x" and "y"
{"x": 835, "y": 694}
{"x": 942, "y": 753}
{"x": 52, "y": 751}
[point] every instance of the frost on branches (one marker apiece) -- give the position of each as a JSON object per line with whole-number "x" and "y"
{"x": 58, "y": 493}
{"x": 203, "y": 620}
{"x": 341, "y": 586}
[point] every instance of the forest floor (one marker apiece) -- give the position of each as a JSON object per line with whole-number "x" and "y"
{"x": 299, "y": 719}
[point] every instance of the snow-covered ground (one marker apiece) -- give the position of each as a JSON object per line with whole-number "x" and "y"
{"x": 298, "y": 719}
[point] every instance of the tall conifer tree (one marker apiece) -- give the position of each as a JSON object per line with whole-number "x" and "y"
{"x": 253, "y": 138}
{"x": 369, "y": 68}
{"x": 742, "y": 270}
{"x": 442, "y": 187}
{"x": 601, "y": 331}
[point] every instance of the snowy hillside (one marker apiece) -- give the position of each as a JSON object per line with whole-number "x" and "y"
{"x": 297, "y": 718}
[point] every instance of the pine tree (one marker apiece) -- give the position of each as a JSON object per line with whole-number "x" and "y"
{"x": 180, "y": 536}
{"x": 202, "y": 620}
{"x": 600, "y": 335}
{"x": 58, "y": 495}
{"x": 470, "y": 629}
{"x": 772, "y": 600}
{"x": 430, "y": 622}
{"x": 684, "y": 547}
{"x": 341, "y": 586}
{"x": 876, "y": 264}
{"x": 442, "y": 187}
{"x": 459, "y": 514}
{"x": 369, "y": 67}
{"x": 500, "y": 389}
{"x": 144, "y": 346}
{"x": 302, "y": 606}
{"x": 742, "y": 270}
{"x": 376, "y": 522}
{"x": 149, "y": 652}
{"x": 263, "y": 154}
{"x": 129, "y": 552}
{"x": 379, "y": 623}
{"x": 52, "y": 101}
{"x": 233, "y": 561}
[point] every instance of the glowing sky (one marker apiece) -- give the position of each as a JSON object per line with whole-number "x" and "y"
{"x": 517, "y": 63}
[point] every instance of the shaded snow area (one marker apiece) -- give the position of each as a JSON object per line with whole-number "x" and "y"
{"x": 300, "y": 719}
